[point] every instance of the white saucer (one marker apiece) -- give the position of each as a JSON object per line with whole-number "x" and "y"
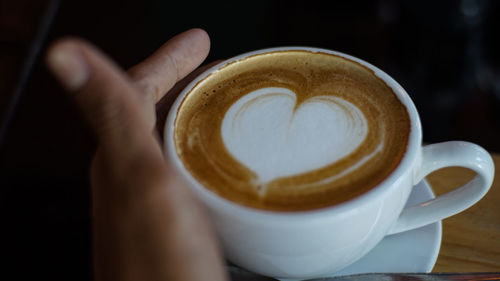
{"x": 414, "y": 251}
{"x": 411, "y": 251}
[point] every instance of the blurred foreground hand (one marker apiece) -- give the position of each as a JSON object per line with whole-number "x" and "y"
{"x": 146, "y": 224}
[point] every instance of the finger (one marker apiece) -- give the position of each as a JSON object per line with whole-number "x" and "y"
{"x": 163, "y": 106}
{"x": 104, "y": 93}
{"x": 169, "y": 64}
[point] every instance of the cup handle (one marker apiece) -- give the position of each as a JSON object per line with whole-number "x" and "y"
{"x": 447, "y": 154}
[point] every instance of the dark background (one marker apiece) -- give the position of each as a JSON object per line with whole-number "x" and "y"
{"x": 444, "y": 53}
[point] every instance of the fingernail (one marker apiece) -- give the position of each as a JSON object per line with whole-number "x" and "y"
{"x": 68, "y": 66}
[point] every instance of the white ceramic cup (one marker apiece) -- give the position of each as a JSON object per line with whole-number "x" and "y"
{"x": 315, "y": 243}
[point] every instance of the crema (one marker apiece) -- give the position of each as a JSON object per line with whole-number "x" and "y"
{"x": 291, "y": 130}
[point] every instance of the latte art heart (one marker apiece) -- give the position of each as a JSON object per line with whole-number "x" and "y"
{"x": 268, "y": 133}
{"x": 291, "y": 130}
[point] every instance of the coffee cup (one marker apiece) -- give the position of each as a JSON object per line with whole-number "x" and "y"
{"x": 305, "y": 159}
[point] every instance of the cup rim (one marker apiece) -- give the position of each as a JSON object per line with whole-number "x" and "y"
{"x": 214, "y": 200}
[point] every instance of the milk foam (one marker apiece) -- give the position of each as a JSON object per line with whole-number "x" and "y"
{"x": 291, "y": 130}
{"x": 270, "y": 134}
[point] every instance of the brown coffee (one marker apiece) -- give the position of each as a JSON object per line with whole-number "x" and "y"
{"x": 291, "y": 130}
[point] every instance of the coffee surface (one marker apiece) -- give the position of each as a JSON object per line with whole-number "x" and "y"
{"x": 291, "y": 130}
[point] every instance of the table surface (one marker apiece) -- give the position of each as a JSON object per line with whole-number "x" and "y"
{"x": 471, "y": 239}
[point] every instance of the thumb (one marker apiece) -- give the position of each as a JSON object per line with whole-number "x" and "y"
{"x": 102, "y": 90}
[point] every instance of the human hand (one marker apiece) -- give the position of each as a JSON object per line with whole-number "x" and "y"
{"x": 146, "y": 225}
